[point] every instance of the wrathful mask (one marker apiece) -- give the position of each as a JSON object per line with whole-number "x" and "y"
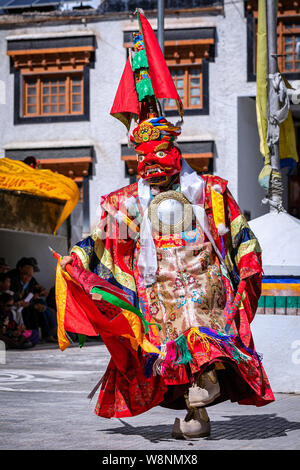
{"x": 158, "y": 158}
{"x": 157, "y": 161}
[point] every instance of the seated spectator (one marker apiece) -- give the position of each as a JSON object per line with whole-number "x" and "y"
{"x": 4, "y": 266}
{"x": 5, "y": 284}
{"x": 23, "y": 283}
{"x": 35, "y": 265}
{"x": 13, "y": 335}
{"x": 37, "y": 315}
{"x": 51, "y": 301}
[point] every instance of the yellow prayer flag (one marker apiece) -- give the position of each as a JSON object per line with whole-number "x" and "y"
{"x": 287, "y": 143}
{"x": 262, "y": 80}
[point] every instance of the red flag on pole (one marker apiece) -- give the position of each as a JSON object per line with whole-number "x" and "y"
{"x": 126, "y": 101}
{"x": 161, "y": 79}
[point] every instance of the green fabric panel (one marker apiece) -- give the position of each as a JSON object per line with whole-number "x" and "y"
{"x": 261, "y": 301}
{"x": 144, "y": 88}
{"x": 280, "y": 302}
{"x": 269, "y": 302}
{"x": 292, "y": 302}
{"x": 139, "y": 61}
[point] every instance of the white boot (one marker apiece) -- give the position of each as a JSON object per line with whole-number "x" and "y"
{"x": 195, "y": 424}
{"x": 208, "y": 391}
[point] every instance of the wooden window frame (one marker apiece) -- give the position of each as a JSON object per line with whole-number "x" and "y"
{"x": 196, "y": 109}
{"x": 291, "y": 16}
{"x": 282, "y": 32}
{"x": 40, "y": 78}
{"x": 187, "y": 87}
{"x": 21, "y": 118}
{"x": 35, "y": 59}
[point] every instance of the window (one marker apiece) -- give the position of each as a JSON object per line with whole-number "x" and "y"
{"x": 188, "y": 82}
{"x": 288, "y": 38}
{"x": 289, "y": 46}
{"x": 52, "y": 95}
{"x": 51, "y": 78}
{"x": 188, "y": 52}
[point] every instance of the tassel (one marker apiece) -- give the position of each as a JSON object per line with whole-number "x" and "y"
{"x": 202, "y": 337}
{"x": 157, "y": 366}
{"x": 223, "y": 247}
{"x": 237, "y": 355}
{"x": 229, "y": 346}
{"x": 258, "y": 356}
{"x": 92, "y": 393}
{"x": 172, "y": 352}
{"x": 150, "y": 360}
{"x": 226, "y": 341}
{"x": 186, "y": 356}
{"x": 172, "y": 355}
{"x": 222, "y": 229}
{"x": 214, "y": 335}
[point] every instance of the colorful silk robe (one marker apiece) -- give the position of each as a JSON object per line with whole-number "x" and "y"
{"x": 137, "y": 377}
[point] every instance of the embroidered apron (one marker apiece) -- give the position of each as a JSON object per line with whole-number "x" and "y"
{"x": 189, "y": 291}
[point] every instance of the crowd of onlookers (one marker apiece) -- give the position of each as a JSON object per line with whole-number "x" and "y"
{"x": 27, "y": 309}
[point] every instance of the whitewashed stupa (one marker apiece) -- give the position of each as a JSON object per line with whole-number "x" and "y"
{"x": 279, "y": 237}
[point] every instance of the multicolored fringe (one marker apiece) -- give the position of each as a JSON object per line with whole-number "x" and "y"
{"x": 179, "y": 351}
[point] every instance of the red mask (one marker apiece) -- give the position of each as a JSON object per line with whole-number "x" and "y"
{"x": 157, "y": 160}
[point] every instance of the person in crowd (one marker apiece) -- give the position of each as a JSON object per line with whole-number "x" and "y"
{"x": 23, "y": 283}
{"x": 50, "y": 300}
{"x": 4, "y": 267}
{"x": 5, "y": 284}
{"x": 38, "y": 316}
{"x": 14, "y": 335}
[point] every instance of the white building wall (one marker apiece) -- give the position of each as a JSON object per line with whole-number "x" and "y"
{"x": 277, "y": 337}
{"x": 227, "y": 83}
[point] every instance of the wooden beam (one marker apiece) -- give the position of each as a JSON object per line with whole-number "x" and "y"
{"x": 66, "y": 160}
{"x": 51, "y": 51}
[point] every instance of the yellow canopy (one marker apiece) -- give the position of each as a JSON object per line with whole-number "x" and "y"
{"x": 17, "y": 176}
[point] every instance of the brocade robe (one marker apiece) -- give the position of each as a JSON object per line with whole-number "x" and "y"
{"x": 190, "y": 302}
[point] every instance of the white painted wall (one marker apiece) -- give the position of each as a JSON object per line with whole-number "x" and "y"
{"x": 227, "y": 81}
{"x": 224, "y": 124}
{"x": 277, "y": 337}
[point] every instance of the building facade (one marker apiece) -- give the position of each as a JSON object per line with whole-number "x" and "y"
{"x": 61, "y": 65}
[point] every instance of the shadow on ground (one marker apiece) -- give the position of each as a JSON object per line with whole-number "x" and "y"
{"x": 238, "y": 427}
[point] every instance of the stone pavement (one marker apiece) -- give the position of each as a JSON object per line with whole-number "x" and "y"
{"x": 44, "y": 406}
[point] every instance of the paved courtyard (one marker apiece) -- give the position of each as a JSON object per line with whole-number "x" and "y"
{"x": 44, "y": 406}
